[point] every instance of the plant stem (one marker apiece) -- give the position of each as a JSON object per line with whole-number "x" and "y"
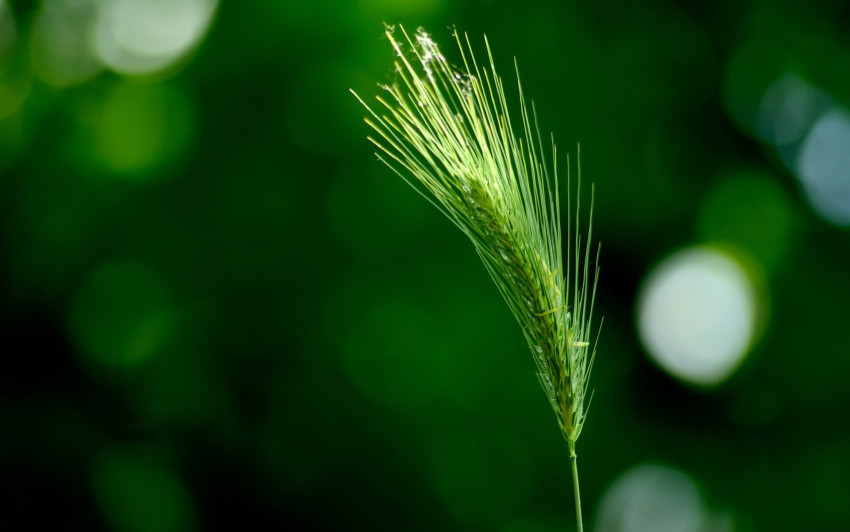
{"x": 575, "y": 486}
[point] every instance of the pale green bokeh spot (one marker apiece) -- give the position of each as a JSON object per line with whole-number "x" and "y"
{"x": 122, "y": 315}
{"x": 142, "y": 127}
{"x": 140, "y": 493}
{"x": 15, "y": 83}
{"x": 61, "y": 54}
{"x": 751, "y": 211}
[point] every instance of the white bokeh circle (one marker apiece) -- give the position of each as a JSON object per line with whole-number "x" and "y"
{"x": 697, "y": 315}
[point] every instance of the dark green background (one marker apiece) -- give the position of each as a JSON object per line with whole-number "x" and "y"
{"x": 250, "y": 322}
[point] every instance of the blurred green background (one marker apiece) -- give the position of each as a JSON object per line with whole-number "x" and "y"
{"x": 218, "y": 311}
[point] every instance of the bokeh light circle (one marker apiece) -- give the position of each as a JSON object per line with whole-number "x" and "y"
{"x": 144, "y": 36}
{"x": 824, "y": 166}
{"x": 140, "y": 492}
{"x": 789, "y": 108}
{"x": 749, "y": 209}
{"x": 60, "y": 43}
{"x": 15, "y": 75}
{"x": 656, "y": 498}
{"x": 698, "y": 314}
{"x": 132, "y": 131}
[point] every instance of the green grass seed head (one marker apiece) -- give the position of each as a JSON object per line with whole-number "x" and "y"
{"x": 447, "y": 131}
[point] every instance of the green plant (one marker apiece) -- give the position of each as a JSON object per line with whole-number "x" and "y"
{"x": 448, "y": 133}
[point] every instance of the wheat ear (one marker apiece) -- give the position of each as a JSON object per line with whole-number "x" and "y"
{"x": 447, "y": 131}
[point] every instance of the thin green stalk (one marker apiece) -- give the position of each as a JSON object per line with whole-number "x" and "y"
{"x": 576, "y": 490}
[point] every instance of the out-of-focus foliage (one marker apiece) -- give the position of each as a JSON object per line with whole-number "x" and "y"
{"x": 218, "y": 311}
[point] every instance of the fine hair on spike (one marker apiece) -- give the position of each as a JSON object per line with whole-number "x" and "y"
{"x": 447, "y": 131}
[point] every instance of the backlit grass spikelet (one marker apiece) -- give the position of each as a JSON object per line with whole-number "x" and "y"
{"x": 448, "y": 132}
